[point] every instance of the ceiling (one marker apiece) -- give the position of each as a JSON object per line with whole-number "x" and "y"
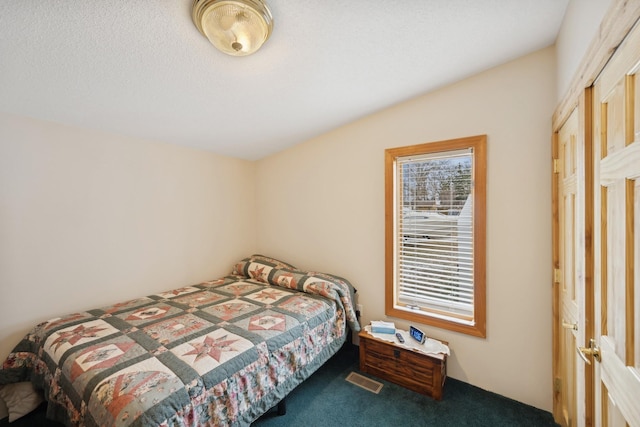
{"x": 142, "y": 69}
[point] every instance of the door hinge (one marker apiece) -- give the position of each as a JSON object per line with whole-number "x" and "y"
{"x": 557, "y": 385}
{"x": 556, "y": 166}
{"x": 557, "y": 275}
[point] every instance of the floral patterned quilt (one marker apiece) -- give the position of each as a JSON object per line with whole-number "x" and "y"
{"x": 217, "y": 353}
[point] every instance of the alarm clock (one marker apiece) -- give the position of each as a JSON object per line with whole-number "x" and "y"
{"x": 417, "y": 334}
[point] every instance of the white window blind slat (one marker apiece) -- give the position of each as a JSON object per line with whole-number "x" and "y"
{"x": 434, "y": 233}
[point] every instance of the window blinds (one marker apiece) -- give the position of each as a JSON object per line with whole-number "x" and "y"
{"x": 434, "y": 233}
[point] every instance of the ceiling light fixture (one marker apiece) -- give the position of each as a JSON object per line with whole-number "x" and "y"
{"x": 236, "y": 27}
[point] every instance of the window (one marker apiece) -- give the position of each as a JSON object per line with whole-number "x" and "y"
{"x": 435, "y": 234}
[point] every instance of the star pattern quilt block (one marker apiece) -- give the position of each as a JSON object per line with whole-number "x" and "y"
{"x": 231, "y": 309}
{"x": 199, "y": 299}
{"x": 207, "y": 352}
{"x": 176, "y": 328}
{"x": 148, "y": 314}
{"x": 306, "y": 306}
{"x": 127, "y": 305}
{"x": 268, "y": 295}
{"x": 177, "y": 292}
{"x": 123, "y": 396}
{"x": 63, "y": 339}
{"x": 81, "y": 366}
{"x": 239, "y": 288}
{"x": 268, "y": 322}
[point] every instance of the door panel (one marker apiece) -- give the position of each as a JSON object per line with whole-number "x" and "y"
{"x": 617, "y": 237}
{"x": 567, "y": 137}
{"x": 572, "y": 380}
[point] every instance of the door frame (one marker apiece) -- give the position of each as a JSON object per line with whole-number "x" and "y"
{"x": 616, "y": 24}
{"x": 583, "y": 268}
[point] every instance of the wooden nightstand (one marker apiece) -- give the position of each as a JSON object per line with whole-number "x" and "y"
{"x": 420, "y": 372}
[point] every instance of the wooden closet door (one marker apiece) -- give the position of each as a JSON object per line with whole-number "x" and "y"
{"x": 617, "y": 238}
{"x": 572, "y": 381}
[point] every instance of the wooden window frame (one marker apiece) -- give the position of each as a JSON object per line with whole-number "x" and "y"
{"x": 477, "y": 326}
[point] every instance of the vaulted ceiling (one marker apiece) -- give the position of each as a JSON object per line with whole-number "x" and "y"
{"x": 142, "y": 68}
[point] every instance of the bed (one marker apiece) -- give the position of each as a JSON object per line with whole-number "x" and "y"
{"x": 217, "y": 353}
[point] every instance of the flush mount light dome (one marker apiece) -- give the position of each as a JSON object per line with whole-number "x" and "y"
{"x": 236, "y": 27}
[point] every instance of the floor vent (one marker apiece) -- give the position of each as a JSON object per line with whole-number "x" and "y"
{"x": 364, "y": 382}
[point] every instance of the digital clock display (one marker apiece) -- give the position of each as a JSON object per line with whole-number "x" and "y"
{"x": 417, "y": 334}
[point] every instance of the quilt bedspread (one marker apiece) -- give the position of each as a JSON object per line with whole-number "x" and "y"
{"x": 217, "y": 353}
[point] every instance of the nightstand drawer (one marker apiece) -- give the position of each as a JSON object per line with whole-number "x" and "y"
{"x": 417, "y": 371}
{"x": 400, "y": 362}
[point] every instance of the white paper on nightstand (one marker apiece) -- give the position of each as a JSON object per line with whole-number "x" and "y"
{"x": 430, "y": 346}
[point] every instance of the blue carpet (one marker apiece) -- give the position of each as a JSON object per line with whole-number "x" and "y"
{"x": 326, "y": 399}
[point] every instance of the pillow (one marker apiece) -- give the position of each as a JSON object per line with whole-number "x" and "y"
{"x": 20, "y": 398}
{"x": 287, "y": 278}
{"x": 258, "y": 267}
{"x": 327, "y": 285}
{"x": 278, "y": 273}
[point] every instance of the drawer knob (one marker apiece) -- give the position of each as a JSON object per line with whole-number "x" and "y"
{"x": 396, "y": 353}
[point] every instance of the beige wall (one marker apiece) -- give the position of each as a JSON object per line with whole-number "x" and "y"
{"x": 580, "y": 25}
{"x": 88, "y": 219}
{"x": 322, "y": 206}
